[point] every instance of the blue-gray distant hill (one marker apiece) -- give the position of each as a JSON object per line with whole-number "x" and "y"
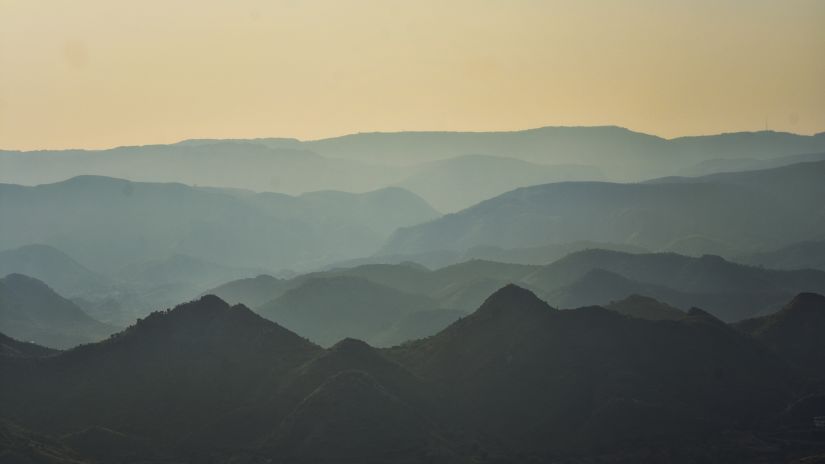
{"x": 721, "y": 213}
{"x": 30, "y": 311}
{"x": 452, "y": 170}
{"x": 54, "y": 267}
{"x": 108, "y": 223}
{"x": 802, "y": 255}
{"x": 459, "y": 182}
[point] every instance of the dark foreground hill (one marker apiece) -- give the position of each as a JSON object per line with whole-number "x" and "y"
{"x": 516, "y": 381}
{"x": 10, "y": 347}
{"x": 795, "y": 332}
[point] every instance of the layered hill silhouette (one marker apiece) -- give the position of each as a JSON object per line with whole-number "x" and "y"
{"x": 109, "y": 223}
{"x": 433, "y": 164}
{"x": 11, "y": 347}
{"x": 733, "y": 213}
{"x": 329, "y": 309}
{"x": 514, "y": 381}
{"x": 728, "y": 290}
{"x": 795, "y": 332}
{"x": 54, "y": 267}
{"x": 31, "y": 311}
{"x": 538, "y": 255}
{"x": 457, "y": 183}
{"x": 802, "y": 255}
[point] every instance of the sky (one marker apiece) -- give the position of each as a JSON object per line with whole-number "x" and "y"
{"x": 102, "y": 73}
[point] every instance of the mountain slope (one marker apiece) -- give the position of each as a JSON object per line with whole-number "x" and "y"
{"x": 802, "y": 255}
{"x": 795, "y": 332}
{"x": 327, "y": 310}
{"x": 730, "y": 291}
{"x": 12, "y": 347}
{"x": 31, "y": 311}
{"x": 741, "y": 211}
{"x": 110, "y": 223}
{"x": 516, "y": 381}
{"x": 165, "y": 376}
{"x": 586, "y": 378}
{"x": 456, "y": 183}
{"x": 252, "y": 292}
{"x": 57, "y": 269}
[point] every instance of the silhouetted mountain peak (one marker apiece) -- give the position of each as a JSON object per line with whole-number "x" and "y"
{"x": 21, "y": 281}
{"x": 207, "y": 322}
{"x": 352, "y": 345}
{"x": 805, "y": 303}
{"x": 512, "y": 299}
{"x": 700, "y": 316}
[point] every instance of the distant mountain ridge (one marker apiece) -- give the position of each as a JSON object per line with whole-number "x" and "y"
{"x": 108, "y": 223}
{"x": 738, "y": 212}
{"x": 369, "y": 161}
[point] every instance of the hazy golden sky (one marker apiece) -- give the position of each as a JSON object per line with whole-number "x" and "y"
{"x": 99, "y": 73}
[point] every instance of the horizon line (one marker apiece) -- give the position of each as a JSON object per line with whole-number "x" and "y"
{"x": 396, "y": 132}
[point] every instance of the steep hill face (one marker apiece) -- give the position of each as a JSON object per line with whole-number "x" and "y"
{"x": 329, "y": 309}
{"x": 31, "y": 311}
{"x": 109, "y": 223}
{"x": 613, "y": 373}
{"x": 795, "y": 333}
{"x": 166, "y": 376}
{"x": 515, "y": 381}
{"x": 205, "y": 377}
{"x": 728, "y": 210}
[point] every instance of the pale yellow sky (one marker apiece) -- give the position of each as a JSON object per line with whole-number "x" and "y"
{"x": 101, "y": 73}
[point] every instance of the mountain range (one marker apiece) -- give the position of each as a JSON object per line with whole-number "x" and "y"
{"x": 515, "y": 381}
{"x": 728, "y": 290}
{"x": 109, "y": 223}
{"x": 451, "y": 170}
{"x": 726, "y": 214}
